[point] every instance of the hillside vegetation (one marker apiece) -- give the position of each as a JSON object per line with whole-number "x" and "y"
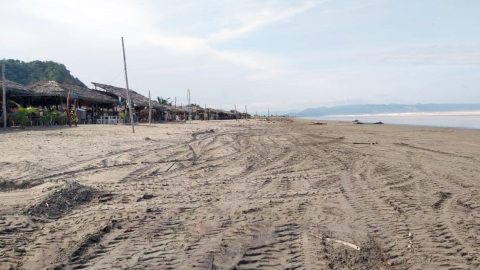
{"x": 30, "y": 72}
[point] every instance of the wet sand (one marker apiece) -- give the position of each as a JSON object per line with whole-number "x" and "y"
{"x": 240, "y": 195}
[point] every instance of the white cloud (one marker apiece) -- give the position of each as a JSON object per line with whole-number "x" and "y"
{"x": 99, "y": 15}
{"x": 429, "y": 55}
{"x": 104, "y": 18}
{"x": 178, "y": 44}
{"x": 253, "y": 20}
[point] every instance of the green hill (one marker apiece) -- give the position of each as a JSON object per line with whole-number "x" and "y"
{"x": 34, "y": 71}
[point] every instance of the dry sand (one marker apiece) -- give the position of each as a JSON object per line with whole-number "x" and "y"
{"x": 240, "y": 195}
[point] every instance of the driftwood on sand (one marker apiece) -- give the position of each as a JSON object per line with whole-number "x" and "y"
{"x": 361, "y": 123}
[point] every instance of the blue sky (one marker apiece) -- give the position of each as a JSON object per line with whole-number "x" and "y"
{"x": 280, "y": 55}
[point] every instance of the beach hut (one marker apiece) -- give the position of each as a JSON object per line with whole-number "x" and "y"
{"x": 58, "y": 89}
{"x": 140, "y": 102}
{"x": 15, "y": 91}
{"x": 51, "y": 93}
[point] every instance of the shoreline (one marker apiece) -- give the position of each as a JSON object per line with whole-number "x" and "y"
{"x": 401, "y": 120}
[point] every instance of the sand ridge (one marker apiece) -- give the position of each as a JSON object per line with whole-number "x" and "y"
{"x": 240, "y": 195}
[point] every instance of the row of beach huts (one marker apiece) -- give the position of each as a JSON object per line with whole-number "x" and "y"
{"x": 104, "y": 104}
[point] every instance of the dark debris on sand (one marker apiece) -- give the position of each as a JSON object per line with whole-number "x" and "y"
{"x": 370, "y": 256}
{"x": 63, "y": 201}
{"x": 8, "y": 185}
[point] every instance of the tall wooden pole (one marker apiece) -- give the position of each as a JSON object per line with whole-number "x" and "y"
{"x": 176, "y": 110}
{"x": 181, "y": 106}
{"x": 149, "y": 109}
{"x": 69, "y": 118}
{"x": 128, "y": 91}
{"x": 4, "y": 99}
{"x": 189, "y": 107}
{"x": 236, "y": 115}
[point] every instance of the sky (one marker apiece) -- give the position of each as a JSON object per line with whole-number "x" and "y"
{"x": 274, "y": 54}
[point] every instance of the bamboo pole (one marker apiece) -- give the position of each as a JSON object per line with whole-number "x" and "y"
{"x": 128, "y": 91}
{"x": 181, "y": 106}
{"x": 69, "y": 117}
{"x": 4, "y": 99}
{"x": 149, "y": 109}
{"x": 189, "y": 107}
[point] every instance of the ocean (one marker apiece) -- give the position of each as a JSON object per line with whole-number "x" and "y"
{"x": 457, "y": 119}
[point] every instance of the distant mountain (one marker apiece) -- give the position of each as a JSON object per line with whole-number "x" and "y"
{"x": 30, "y": 72}
{"x": 273, "y": 112}
{"x": 385, "y": 108}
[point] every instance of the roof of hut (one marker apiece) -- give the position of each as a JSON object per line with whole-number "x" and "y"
{"x": 172, "y": 108}
{"x": 220, "y": 111}
{"x": 53, "y": 88}
{"x": 15, "y": 88}
{"x": 138, "y": 99}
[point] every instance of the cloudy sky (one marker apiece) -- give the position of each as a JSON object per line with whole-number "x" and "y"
{"x": 264, "y": 54}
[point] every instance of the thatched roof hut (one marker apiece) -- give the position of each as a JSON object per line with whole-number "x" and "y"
{"x": 14, "y": 88}
{"x": 138, "y": 99}
{"x": 58, "y": 89}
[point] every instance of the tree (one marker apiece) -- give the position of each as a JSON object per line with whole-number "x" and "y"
{"x": 164, "y": 101}
{"x": 30, "y": 72}
{"x": 47, "y": 117}
{"x": 22, "y": 115}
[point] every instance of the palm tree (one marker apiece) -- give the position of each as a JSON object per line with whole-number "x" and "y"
{"x": 50, "y": 117}
{"x": 22, "y": 115}
{"x": 47, "y": 117}
{"x": 59, "y": 117}
{"x": 164, "y": 101}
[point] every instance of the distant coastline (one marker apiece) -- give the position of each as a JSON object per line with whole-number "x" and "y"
{"x": 442, "y": 113}
{"x": 376, "y": 109}
{"x": 452, "y": 119}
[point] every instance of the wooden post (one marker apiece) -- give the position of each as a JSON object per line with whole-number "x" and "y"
{"x": 75, "y": 111}
{"x": 181, "y": 106}
{"x": 236, "y": 115}
{"x": 128, "y": 91}
{"x": 4, "y": 99}
{"x": 61, "y": 102}
{"x": 149, "y": 109}
{"x": 176, "y": 110}
{"x": 189, "y": 107}
{"x": 69, "y": 119}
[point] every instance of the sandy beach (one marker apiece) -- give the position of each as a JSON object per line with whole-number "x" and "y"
{"x": 240, "y": 195}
